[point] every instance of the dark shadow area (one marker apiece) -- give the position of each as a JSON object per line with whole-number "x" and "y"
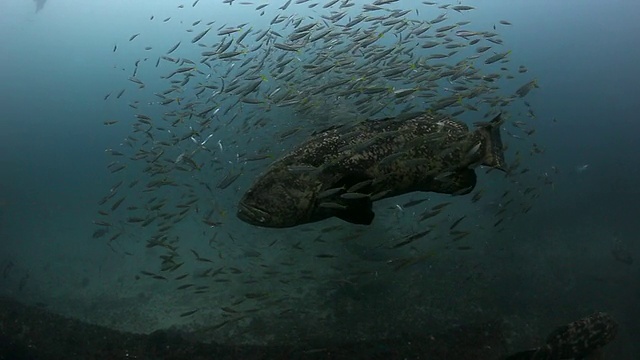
{"x": 28, "y": 332}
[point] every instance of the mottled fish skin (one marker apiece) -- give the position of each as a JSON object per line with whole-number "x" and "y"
{"x": 576, "y": 340}
{"x": 438, "y": 154}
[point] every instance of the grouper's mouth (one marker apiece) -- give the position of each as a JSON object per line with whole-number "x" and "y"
{"x": 251, "y": 214}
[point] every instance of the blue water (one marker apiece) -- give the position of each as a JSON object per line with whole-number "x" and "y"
{"x": 545, "y": 268}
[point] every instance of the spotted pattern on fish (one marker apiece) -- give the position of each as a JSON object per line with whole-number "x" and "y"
{"x": 438, "y": 154}
{"x": 575, "y": 340}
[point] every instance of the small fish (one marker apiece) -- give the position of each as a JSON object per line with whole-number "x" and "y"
{"x": 445, "y": 28}
{"x": 359, "y": 186}
{"x": 200, "y": 36}
{"x": 286, "y": 47}
{"x": 133, "y": 36}
{"x": 229, "y": 54}
{"x": 477, "y": 196}
{"x": 526, "y": 88}
{"x": 100, "y": 233}
{"x": 496, "y": 57}
{"x": 582, "y": 168}
{"x": 189, "y": 313}
{"x": 285, "y": 6}
{"x": 461, "y": 8}
{"x": 441, "y": 206}
{"x": 457, "y": 235}
{"x": 329, "y": 192}
{"x": 256, "y": 295}
{"x": 117, "y": 168}
{"x": 380, "y": 195}
{"x": 400, "y": 93}
{"x": 215, "y": 327}
{"x": 174, "y": 47}
{"x": 117, "y": 203}
{"x": 414, "y": 203}
{"x": 455, "y": 223}
{"x": 287, "y": 133}
{"x": 354, "y": 196}
{"x": 411, "y": 238}
{"x": 332, "y": 205}
{"x": 244, "y": 35}
{"x": 228, "y": 180}
{"x": 101, "y": 223}
{"x": 228, "y": 31}
{"x": 429, "y": 214}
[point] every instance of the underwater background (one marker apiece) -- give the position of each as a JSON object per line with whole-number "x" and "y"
{"x": 85, "y": 139}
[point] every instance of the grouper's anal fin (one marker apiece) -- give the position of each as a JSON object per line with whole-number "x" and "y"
{"x": 494, "y": 151}
{"x": 358, "y": 211}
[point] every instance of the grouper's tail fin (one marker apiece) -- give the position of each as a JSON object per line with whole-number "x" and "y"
{"x": 494, "y": 154}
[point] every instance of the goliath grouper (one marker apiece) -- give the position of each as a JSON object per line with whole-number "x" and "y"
{"x": 342, "y": 170}
{"x": 577, "y": 340}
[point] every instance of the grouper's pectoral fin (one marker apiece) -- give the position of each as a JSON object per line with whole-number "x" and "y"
{"x": 356, "y": 211}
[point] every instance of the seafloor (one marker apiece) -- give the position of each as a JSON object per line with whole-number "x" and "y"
{"x": 28, "y": 332}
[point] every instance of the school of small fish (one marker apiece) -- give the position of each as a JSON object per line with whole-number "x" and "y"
{"x": 221, "y": 101}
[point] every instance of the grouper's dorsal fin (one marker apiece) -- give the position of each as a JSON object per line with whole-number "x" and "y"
{"x": 493, "y": 150}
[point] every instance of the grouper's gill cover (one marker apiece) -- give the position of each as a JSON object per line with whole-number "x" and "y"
{"x": 279, "y": 198}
